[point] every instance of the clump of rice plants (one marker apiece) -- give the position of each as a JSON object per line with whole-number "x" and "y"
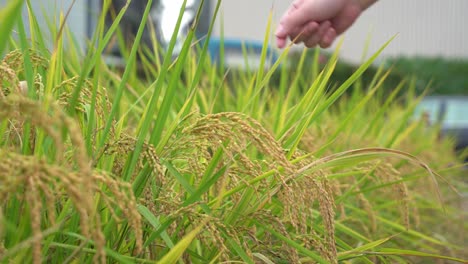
{"x": 31, "y": 183}
{"x": 181, "y": 166}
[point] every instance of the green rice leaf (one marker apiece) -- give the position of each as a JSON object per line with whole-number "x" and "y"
{"x": 153, "y": 220}
{"x": 412, "y": 253}
{"x": 9, "y": 14}
{"x": 294, "y": 244}
{"x": 366, "y": 247}
{"x": 176, "y": 252}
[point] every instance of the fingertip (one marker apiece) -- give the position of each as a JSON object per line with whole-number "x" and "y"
{"x": 330, "y": 34}
{"x": 328, "y": 38}
{"x": 313, "y": 23}
{"x": 280, "y": 42}
{"x": 280, "y": 31}
{"x": 295, "y": 16}
{"x": 326, "y": 24}
{"x": 312, "y": 26}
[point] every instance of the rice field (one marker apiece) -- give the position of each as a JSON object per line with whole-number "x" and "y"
{"x": 184, "y": 161}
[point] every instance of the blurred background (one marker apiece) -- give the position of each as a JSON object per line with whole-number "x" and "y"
{"x": 424, "y": 27}
{"x": 431, "y": 34}
{"x": 431, "y": 46}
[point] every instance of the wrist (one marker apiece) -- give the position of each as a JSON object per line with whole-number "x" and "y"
{"x": 366, "y": 3}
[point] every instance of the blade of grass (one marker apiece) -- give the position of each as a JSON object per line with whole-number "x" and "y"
{"x": 353, "y": 112}
{"x": 153, "y": 220}
{"x": 404, "y": 122}
{"x": 308, "y": 104}
{"x": 342, "y": 88}
{"x": 187, "y": 107}
{"x": 169, "y": 97}
{"x": 9, "y": 14}
{"x": 404, "y": 231}
{"x": 126, "y": 74}
{"x": 253, "y": 102}
{"x": 412, "y": 253}
{"x": 29, "y": 75}
{"x": 311, "y": 106}
{"x": 372, "y": 124}
{"x": 148, "y": 116}
{"x": 293, "y": 244}
{"x": 366, "y": 247}
{"x": 93, "y": 53}
{"x": 37, "y": 35}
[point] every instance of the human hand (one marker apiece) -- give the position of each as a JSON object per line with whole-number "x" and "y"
{"x": 318, "y": 21}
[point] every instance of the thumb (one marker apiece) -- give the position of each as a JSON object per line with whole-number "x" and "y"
{"x": 294, "y": 17}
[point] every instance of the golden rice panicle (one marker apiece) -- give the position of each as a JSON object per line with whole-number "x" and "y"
{"x": 269, "y": 246}
{"x": 20, "y": 109}
{"x": 367, "y": 206}
{"x": 23, "y": 109}
{"x": 303, "y": 191}
{"x": 65, "y": 89}
{"x": 32, "y": 196}
{"x": 337, "y": 191}
{"x": 323, "y": 193}
{"x": 54, "y": 181}
{"x": 29, "y": 173}
{"x": 8, "y": 79}
{"x": 125, "y": 145}
{"x": 14, "y": 59}
{"x": 236, "y": 134}
{"x": 399, "y": 190}
{"x": 2, "y": 231}
{"x": 12, "y": 66}
{"x": 122, "y": 197}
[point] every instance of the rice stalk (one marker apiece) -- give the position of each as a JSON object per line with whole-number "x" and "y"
{"x": 43, "y": 179}
{"x": 236, "y": 134}
{"x": 15, "y": 60}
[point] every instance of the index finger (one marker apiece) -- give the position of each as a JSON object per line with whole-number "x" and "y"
{"x": 290, "y": 20}
{"x": 294, "y": 17}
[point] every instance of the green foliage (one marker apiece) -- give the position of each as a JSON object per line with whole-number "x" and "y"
{"x": 446, "y": 76}
{"x": 98, "y": 164}
{"x": 9, "y": 14}
{"x": 432, "y": 75}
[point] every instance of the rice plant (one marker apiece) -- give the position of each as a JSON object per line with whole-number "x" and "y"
{"x": 183, "y": 161}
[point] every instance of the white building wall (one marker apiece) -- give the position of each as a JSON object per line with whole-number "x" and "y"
{"x": 424, "y": 27}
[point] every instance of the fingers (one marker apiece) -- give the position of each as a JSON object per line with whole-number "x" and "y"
{"x": 300, "y": 34}
{"x": 305, "y": 21}
{"x": 311, "y": 34}
{"x": 314, "y": 39}
{"x": 294, "y": 18}
{"x": 343, "y": 20}
{"x": 328, "y": 39}
{"x": 280, "y": 42}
